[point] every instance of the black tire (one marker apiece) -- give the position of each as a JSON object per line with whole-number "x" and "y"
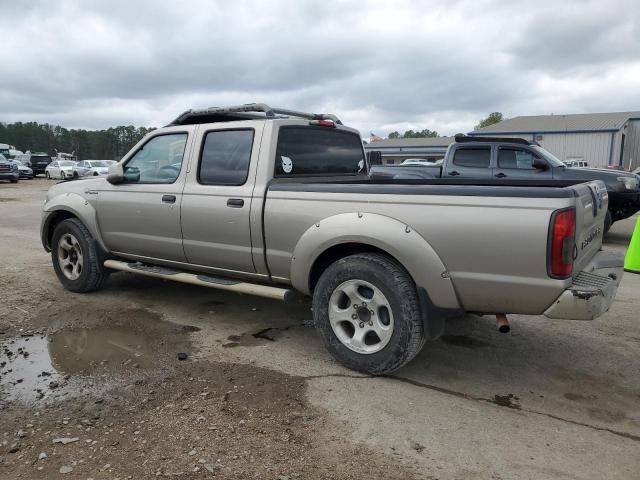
{"x": 608, "y": 221}
{"x": 46, "y": 174}
{"x": 93, "y": 274}
{"x": 14, "y": 180}
{"x": 395, "y": 283}
{"x": 75, "y": 175}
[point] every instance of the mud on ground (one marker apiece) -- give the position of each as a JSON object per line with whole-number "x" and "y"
{"x": 89, "y": 389}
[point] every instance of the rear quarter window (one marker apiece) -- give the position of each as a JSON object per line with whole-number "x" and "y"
{"x": 319, "y": 151}
{"x": 472, "y": 157}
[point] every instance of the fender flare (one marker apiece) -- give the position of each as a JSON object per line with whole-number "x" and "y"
{"x": 390, "y": 235}
{"x": 76, "y": 205}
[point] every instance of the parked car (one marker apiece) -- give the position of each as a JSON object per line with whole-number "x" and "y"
{"x": 61, "y": 169}
{"x": 92, "y": 168}
{"x": 516, "y": 159}
{"x": 242, "y": 199}
{"x": 23, "y": 170}
{"x": 8, "y": 170}
{"x": 35, "y": 161}
{"x": 576, "y": 163}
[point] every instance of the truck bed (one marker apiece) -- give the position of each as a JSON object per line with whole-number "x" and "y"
{"x": 491, "y": 238}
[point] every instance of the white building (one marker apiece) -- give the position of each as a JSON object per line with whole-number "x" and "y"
{"x": 600, "y": 139}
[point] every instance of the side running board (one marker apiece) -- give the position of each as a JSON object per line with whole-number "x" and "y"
{"x": 284, "y": 294}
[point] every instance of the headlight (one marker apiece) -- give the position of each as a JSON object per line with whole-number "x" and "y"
{"x": 630, "y": 183}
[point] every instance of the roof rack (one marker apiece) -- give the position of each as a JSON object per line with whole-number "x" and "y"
{"x": 471, "y": 138}
{"x": 244, "y": 112}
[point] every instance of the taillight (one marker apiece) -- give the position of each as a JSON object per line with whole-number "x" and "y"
{"x": 562, "y": 234}
{"x": 323, "y": 123}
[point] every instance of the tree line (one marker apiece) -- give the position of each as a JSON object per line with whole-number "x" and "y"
{"x": 109, "y": 144}
{"x": 492, "y": 118}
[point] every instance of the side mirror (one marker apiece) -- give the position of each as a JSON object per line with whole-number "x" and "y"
{"x": 374, "y": 157}
{"x": 116, "y": 174}
{"x": 540, "y": 164}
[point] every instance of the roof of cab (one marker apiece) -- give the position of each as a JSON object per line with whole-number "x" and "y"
{"x": 248, "y": 111}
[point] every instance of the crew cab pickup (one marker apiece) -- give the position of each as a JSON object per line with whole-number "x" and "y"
{"x": 279, "y": 203}
{"x": 516, "y": 159}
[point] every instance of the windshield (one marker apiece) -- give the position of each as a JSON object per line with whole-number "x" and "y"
{"x": 66, "y": 164}
{"x": 97, "y": 163}
{"x": 549, "y": 157}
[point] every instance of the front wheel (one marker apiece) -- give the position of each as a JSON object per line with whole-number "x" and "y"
{"x": 46, "y": 174}
{"x": 14, "y": 180}
{"x": 76, "y": 258}
{"x": 366, "y": 307}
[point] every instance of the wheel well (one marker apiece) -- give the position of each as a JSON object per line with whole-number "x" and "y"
{"x": 56, "y": 218}
{"x": 337, "y": 252}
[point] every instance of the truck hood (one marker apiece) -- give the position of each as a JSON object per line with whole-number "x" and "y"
{"x": 610, "y": 177}
{"x": 79, "y": 187}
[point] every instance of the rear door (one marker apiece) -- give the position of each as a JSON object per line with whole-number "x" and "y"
{"x": 217, "y": 197}
{"x": 473, "y": 161}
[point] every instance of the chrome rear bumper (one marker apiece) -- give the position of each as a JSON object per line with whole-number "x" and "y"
{"x": 592, "y": 291}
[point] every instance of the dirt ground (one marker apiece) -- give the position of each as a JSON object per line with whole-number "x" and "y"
{"x": 147, "y": 378}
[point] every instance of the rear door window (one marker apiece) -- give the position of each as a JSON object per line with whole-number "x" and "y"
{"x": 225, "y": 157}
{"x": 318, "y": 151}
{"x": 473, "y": 157}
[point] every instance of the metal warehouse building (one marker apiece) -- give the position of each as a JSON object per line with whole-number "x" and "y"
{"x": 600, "y": 139}
{"x": 398, "y": 149}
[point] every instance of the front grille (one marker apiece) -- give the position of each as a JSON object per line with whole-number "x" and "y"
{"x": 5, "y": 168}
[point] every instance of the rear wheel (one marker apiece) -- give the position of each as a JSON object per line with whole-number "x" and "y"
{"x": 76, "y": 258}
{"x": 367, "y": 308}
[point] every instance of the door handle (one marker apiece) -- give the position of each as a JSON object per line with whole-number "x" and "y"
{"x": 500, "y": 175}
{"x": 235, "y": 203}
{"x": 169, "y": 198}
{"x": 454, "y": 173}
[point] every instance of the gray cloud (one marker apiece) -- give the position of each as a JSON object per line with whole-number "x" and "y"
{"x": 380, "y": 66}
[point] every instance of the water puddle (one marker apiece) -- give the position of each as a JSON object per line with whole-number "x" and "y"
{"x": 35, "y": 367}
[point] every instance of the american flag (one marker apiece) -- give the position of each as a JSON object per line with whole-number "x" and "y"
{"x": 374, "y": 137}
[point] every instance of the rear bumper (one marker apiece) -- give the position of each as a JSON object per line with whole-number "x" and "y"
{"x": 592, "y": 291}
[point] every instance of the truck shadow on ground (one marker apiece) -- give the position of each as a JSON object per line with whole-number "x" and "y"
{"x": 542, "y": 365}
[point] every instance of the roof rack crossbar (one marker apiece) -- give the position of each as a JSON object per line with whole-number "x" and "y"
{"x": 269, "y": 112}
{"x": 488, "y": 139}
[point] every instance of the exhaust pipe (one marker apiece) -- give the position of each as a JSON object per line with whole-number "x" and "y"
{"x": 502, "y": 323}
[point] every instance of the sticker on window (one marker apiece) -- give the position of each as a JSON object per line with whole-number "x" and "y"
{"x": 360, "y": 166}
{"x": 287, "y": 164}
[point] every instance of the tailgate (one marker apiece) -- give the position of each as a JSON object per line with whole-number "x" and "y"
{"x": 592, "y": 203}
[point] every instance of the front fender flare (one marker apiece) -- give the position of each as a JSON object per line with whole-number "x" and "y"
{"x": 392, "y": 236}
{"x": 76, "y": 205}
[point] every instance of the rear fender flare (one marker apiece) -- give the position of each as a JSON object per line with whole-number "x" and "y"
{"x": 385, "y": 233}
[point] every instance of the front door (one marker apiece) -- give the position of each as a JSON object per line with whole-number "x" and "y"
{"x": 517, "y": 163}
{"x": 216, "y": 205}
{"x": 142, "y": 215}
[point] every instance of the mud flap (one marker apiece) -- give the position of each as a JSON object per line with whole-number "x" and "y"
{"x": 434, "y": 318}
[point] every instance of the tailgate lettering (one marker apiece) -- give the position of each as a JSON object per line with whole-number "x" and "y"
{"x": 590, "y": 238}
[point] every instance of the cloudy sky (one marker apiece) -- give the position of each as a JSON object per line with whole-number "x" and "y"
{"x": 380, "y": 65}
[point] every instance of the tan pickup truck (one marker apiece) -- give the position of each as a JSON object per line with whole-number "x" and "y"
{"x": 272, "y": 202}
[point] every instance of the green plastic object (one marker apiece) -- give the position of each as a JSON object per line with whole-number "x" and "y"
{"x": 632, "y": 258}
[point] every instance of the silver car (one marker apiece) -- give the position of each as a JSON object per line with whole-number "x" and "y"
{"x": 87, "y": 168}
{"x": 60, "y": 169}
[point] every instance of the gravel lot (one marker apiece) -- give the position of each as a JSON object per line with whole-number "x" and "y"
{"x": 92, "y": 386}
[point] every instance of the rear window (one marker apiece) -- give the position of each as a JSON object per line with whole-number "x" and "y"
{"x": 472, "y": 157}
{"x": 318, "y": 151}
